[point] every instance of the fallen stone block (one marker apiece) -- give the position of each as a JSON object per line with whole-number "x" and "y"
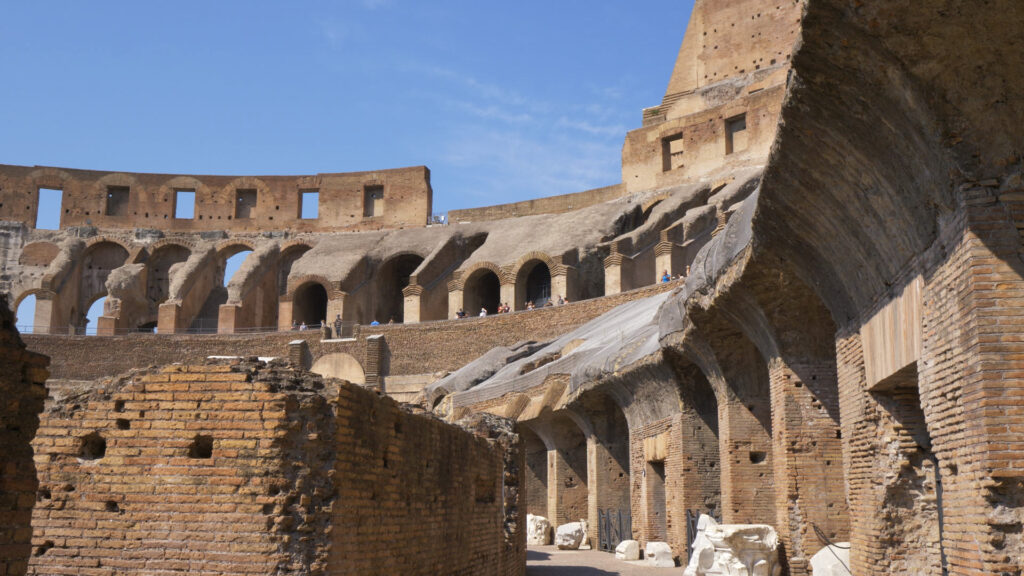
{"x": 832, "y": 560}
{"x": 734, "y": 550}
{"x": 628, "y": 550}
{"x": 659, "y": 555}
{"x": 538, "y": 530}
{"x": 570, "y": 536}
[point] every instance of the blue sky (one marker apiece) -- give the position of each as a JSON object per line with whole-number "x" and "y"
{"x": 503, "y": 101}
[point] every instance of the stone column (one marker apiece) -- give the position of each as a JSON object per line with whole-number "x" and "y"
{"x": 168, "y": 318}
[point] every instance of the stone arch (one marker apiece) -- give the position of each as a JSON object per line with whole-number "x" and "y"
{"x": 533, "y": 280}
{"x": 38, "y": 254}
{"x": 392, "y": 277}
{"x": 48, "y": 178}
{"x": 482, "y": 288}
{"x": 339, "y": 365}
{"x": 100, "y": 257}
{"x": 247, "y": 183}
{"x": 290, "y": 253}
{"x": 163, "y": 258}
{"x": 536, "y": 453}
{"x": 162, "y": 204}
{"x": 309, "y": 303}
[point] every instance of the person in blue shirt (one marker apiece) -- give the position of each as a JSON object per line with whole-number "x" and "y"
{"x": 665, "y": 277}
{"x": 375, "y": 323}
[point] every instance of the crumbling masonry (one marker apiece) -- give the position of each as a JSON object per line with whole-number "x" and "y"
{"x": 838, "y": 188}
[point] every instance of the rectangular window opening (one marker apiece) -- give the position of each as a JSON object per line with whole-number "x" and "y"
{"x": 184, "y": 204}
{"x": 48, "y": 209}
{"x": 309, "y": 204}
{"x": 245, "y": 204}
{"x": 373, "y": 201}
{"x": 736, "y": 134}
{"x": 671, "y": 152}
{"x": 117, "y": 200}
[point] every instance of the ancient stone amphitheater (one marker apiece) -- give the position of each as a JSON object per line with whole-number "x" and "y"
{"x": 834, "y": 189}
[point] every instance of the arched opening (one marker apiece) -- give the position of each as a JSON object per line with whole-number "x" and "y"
{"x": 25, "y": 315}
{"x": 159, "y": 268}
{"x": 98, "y": 262}
{"x": 162, "y": 264}
{"x": 533, "y": 284}
{"x": 609, "y": 476}
{"x": 567, "y": 470}
{"x": 93, "y": 315}
{"x": 229, "y": 260}
{"x": 339, "y": 365}
{"x": 536, "y": 473}
{"x": 309, "y": 305}
{"x": 392, "y": 279}
{"x": 482, "y": 290}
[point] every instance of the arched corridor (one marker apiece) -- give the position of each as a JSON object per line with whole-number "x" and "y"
{"x": 482, "y": 290}
{"x": 392, "y": 278}
{"x": 309, "y": 305}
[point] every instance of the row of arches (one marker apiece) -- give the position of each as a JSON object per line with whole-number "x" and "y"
{"x": 82, "y": 299}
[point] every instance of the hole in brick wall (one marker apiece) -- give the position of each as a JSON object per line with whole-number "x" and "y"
{"x": 184, "y": 204}
{"x": 44, "y": 494}
{"x": 798, "y": 384}
{"x": 385, "y": 459}
{"x": 111, "y": 506}
{"x": 839, "y": 434}
{"x": 953, "y": 469}
{"x": 142, "y": 413}
{"x": 274, "y": 490}
{"x": 48, "y": 209}
{"x": 93, "y": 447}
{"x": 119, "y": 406}
{"x": 757, "y": 457}
{"x": 123, "y": 424}
{"x": 202, "y": 447}
{"x": 68, "y": 487}
{"x": 44, "y": 548}
{"x": 268, "y": 508}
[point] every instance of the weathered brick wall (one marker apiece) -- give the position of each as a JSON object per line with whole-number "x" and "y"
{"x": 256, "y": 469}
{"x": 548, "y": 205}
{"x": 418, "y": 496}
{"x": 808, "y": 458}
{"x": 932, "y": 454}
{"x": 151, "y": 198}
{"x": 21, "y": 385}
{"x": 412, "y": 348}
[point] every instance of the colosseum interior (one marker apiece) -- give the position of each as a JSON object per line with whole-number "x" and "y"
{"x": 835, "y": 191}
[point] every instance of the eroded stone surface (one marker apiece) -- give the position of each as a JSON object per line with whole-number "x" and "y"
{"x": 538, "y": 530}
{"x": 628, "y": 550}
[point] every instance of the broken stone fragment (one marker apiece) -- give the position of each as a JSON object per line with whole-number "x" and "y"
{"x": 659, "y": 555}
{"x": 832, "y": 560}
{"x": 734, "y": 550}
{"x": 538, "y": 530}
{"x": 628, "y": 550}
{"x": 570, "y": 536}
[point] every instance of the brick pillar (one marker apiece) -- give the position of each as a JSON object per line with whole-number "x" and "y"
{"x": 168, "y": 318}
{"x": 228, "y": 318}
{"x": 748, "y": 496}
{"x": 558, "y": 470}
{"x": 807, "y": 459}
{"x": 618, "y": 274}
{"x": 565, "y": 283}
{"x": 376, "y": 350}
{"x": 106, "y": 326}
{"x": 411, "y": 303}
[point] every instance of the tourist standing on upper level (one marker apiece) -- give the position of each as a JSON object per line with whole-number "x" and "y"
{"x": 337, "y": 326}
{"x": 665, "y": 277}
{"x": 461, "y": 313}
{"x": 483, "y": 312}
